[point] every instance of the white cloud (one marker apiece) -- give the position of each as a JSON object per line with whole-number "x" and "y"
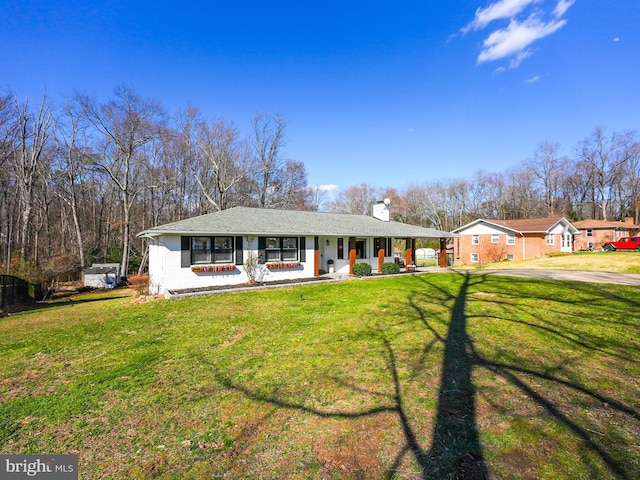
{"x": 562, "y": 7}
{"x": 324, "y": 188}
{"x": 498, "y": 10}
{"x": 528, "y": 22}
{"x": 516, "y": 38}
{"x": 532, "y": 79}
{"x": 616, "y": 39}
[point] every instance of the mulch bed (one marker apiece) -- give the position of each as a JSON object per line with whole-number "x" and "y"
{"x": 243, "y": 286}
{"x": 258, "y": 285}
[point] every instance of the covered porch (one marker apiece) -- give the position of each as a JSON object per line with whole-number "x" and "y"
{"x": 336, "y": 254}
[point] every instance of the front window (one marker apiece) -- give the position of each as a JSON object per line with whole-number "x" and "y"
{"x": 200, "y": 249}
{"x": 223, "y": 250}
{"x": 475, "y": 258}
{"x": 589, "y": 232}
{"x": 495, "y": 238}
{"x": 281, "y": 249}
{"x": 340, "y": 248}
{"x": 551, "y": 239}
{"x": 272, "y": 250}
{"x": 475, "y": 239}
{"x": 289, "y": 248}
{"x": 511, "y": 239}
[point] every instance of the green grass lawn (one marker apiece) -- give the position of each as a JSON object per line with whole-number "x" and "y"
{"x": 434, "y": 376}
{"x": 617, "y": 262}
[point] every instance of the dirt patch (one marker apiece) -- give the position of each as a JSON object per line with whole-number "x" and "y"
{"x": 239, "y": 333}
{"x": 146, "y": 298}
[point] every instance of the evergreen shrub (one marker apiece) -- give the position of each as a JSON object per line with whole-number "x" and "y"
{"x": 362, "y": 269}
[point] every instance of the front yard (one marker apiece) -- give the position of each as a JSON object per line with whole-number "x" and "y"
{"x": 428, "y": 376}
{"x": 618, "y": 262}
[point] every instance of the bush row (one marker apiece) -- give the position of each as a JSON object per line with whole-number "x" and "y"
{"x": 364, "y": 269}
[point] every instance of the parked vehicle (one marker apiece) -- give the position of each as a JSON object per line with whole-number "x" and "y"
{"x": 627, "y": 243}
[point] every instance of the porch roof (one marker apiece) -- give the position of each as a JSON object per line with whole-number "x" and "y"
{"x": 258, "y": 221}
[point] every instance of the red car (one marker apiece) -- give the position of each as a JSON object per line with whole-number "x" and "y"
{"x": 627, "y": 243}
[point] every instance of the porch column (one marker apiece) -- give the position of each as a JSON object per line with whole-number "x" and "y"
{"x": 381, "y": 242}
{"x": 352, "y": 253}
{"x": 409, "y": 253}
{"x": 443, "y": 253}
{"x": 316, "y": 257}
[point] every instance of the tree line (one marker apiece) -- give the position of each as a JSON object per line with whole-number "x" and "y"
{"x": 79, "y": 180}
{"x": 601, "y": 181}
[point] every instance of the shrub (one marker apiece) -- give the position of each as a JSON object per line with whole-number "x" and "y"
{"x": 362, "y": 269}
{"x": 139, "y": 283}
{"x": 389, "y": 268}
{"x": 252, "y": 266}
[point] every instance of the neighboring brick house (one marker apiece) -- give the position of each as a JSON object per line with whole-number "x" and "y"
{"x": 483, "y": 240}
{"x": 594, "y": 233}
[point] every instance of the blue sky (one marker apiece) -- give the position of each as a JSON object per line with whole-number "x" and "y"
{"x": 388, "y": 93}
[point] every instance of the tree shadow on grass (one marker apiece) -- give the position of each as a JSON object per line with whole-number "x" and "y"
{"x": 455, "y": 450}
{"x": 525, "y": 378}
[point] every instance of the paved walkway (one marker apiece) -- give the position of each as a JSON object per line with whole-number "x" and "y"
{"x": 571, "y": 275}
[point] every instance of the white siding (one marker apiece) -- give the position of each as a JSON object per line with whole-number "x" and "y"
{"x": 165, "y": 272}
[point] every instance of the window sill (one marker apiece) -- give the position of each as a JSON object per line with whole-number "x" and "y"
{"x": 221, "y": 268}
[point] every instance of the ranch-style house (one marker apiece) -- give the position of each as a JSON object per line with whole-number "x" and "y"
{"x": 214, "y": 249}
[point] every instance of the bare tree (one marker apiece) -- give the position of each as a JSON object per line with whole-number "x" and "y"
{"x": 72, "y": 154}
{"x": 267, "y": 144}
{"x": 604, "y": 157}
{"x": 357, "y": 199}
{"x": 423, "y": 207}
{"x": 292, "y": 187}
{"x": 29, "y": 162}
{"x": 316, "y": 196}
{"x": 630, "y": 179}
{"x": 7, "y": 138}
{"x": 7, "y": 129}
{"x": 547, "y": 168}
{"x": 223, "y": 161}
{"x": 127, "y": 124}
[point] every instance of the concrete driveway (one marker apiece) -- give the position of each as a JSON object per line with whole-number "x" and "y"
{"x": 593, "y": 277}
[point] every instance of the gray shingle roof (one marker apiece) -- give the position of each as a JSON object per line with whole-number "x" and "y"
{"x": 256, "y": 221}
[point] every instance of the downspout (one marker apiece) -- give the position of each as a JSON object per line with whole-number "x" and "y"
{"x": 523, "y": 247}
